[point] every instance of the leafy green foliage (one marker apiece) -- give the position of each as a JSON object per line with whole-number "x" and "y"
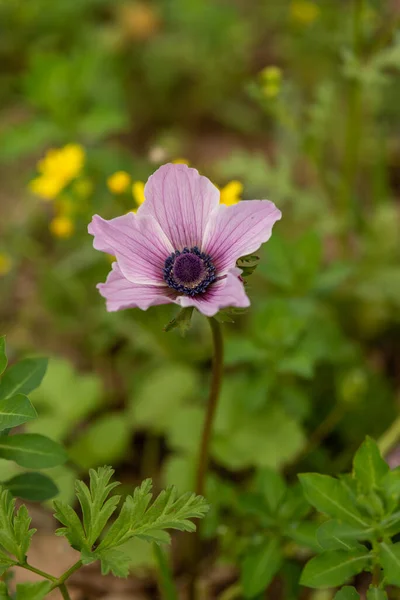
{"x": 138, "y": 517}
{"x": 15, "y": 410}
{"x": 15, "y": 534}
{"x": 364, "y": 507}
{"x": 23, "y": 377}
{"x": 347, "y": 593}
{"x": 33, "y": 591}
{"x": 32, "y": 450}
{"x": 259, "y": 567}
{"x": 32, "y": 486}
{"x": 334, "y": 567}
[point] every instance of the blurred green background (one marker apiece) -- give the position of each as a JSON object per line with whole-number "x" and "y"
{"x": 296, "y": 101}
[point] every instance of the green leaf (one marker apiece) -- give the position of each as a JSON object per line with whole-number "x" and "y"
{"x": 3, "y": 356}
{"x": 33, "y": 591}
{"x": 368, "y": 466}
{"x": 376, "y": 594}
{"x": 272, "y": 486}
{"x": 183, "y": 320}
{"x": 32, "y": 451}
{"x": 140, "y": 518}
{"x": 390, "y": 561}
{"x": 330, "y": 496}
{"x": 259, "y": 567}
{"x": 23, "y": 377}
{"x": 89, "y": 449}
{"x": 304, "y": 534}
{"x": 4, "y": 595}
{"x": 114, "y": 561}
{"x": 73, "y": 529}
{"x": 96, "y": 509}
{"x": 347, "y": 593}
{"x": 5, "y": 563}
{"x": 334, "y": 567}
{"x": 15, "y": 411}
{"x": 35, "y": 487}
{"x": 15, "y": 535}
{"x": 334, "y": 535}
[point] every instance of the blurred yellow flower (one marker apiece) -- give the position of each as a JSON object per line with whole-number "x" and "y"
{"x": 5, "y": 263}
{"x": 62, "y": 226}
{"x": 304, "y": 12}
{"x": 46, "y": 188}
{"x": 231, "y": 192}
{"x": 180, "y": 161}
{"x": 118, "y": 182}
{"x": 57, "y": 169}
{"x": 271, "y": 81}
{"x": 138, "y": 192}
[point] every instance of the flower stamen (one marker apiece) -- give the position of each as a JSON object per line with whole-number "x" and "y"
{"x": 189, "y": 271}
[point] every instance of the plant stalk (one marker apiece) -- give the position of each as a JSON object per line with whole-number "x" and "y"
{"x": 216, "y": 380}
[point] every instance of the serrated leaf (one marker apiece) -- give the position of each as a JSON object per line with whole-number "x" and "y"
{"x": 333, "y": 568}
{"x": 376, "y": 594}
{"x": 140, "y": 518}
{"x": 390, "y": 561}
{"x": 5, "y": 563}
{"x": 368, "y": 466}
{"x": 15, "y": 411}
{"x": 23, "y": 377}
{"x": 114, "y": 561}
{"x": 32, "y": 451}
{"x": 35, "y": 487}
{"x": 330, "y": 496}
{"x": 73, "y": 529}
{"x": 183, "y": 321}
{"x": 334, "y": 535}
{"x": 33, "y": 591}
{"x": 3, "y": 356}
{"x": 96, "y": 509}
{"x": 15, "y": 535}
{"x": 259, "y": 567}
{"x": 347, "y": 593}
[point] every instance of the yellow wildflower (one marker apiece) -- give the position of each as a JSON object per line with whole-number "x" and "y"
{"x": 118, "y": 182}
{"x": 62, "y": 226}
{"x": 5, "y": 263}
{"x": 138, "y": 192}
{"x": 64, "y": 163}
{"x": 57, "y": 169}
{"x": 271, "y": 80}
{"x": 46, "y": 188}
{"x": 231, "y": 192}
{"x": 304, "y": 12}
{"x": 180, "y": 161}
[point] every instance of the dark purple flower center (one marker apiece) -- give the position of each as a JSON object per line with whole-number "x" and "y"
{"x": 189, "y": 271}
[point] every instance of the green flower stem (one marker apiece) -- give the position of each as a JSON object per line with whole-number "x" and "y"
{"x": 166, "y": 581}
{"x": 64, "y": 592}
{"x": 390, "y": 438}
{"x": 38, "y": 572}
{"x": 204, "y": 455}
{"x": 353, "y": 129}
{"x": 204, "y": 452}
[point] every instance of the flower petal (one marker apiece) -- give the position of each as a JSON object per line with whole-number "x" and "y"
{"x": 181, "y": 200}
{"x": 234, "y": 231}
{"x": 121, "y": 293}
{"x": 140, "y": 245}
{"x": 227, "y": 292}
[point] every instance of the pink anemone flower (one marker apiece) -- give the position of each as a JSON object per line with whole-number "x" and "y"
{"x": 182, "y": 245}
